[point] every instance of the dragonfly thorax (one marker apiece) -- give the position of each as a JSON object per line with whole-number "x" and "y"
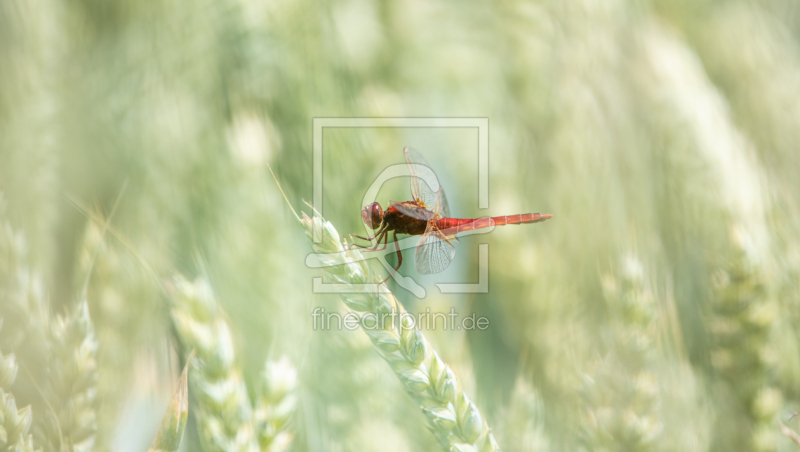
{"x": 372, "y": 215}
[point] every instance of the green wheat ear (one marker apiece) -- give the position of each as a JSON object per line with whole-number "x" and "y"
{"x": 72, "y": 383}
{"x": 276, "y": 404}
{"x": 170, "y": 433}
{"x": 221, "y": 405}
{"x": 621, "y": 392}
{"x": 451, "y": 416}
{"x": 740, "y": 324}
{"x": 521, "y": 424}
{"x": 22, "y": 297}
{"x": 14, "y": 424}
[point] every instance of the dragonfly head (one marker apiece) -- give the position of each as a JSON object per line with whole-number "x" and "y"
{"x": 372, "y": 215}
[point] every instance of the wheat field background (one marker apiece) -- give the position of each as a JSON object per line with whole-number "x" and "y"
{"x": 659, "y": 310}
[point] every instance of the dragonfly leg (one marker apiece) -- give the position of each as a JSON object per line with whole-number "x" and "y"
{"x": 385, "y": 241}
{"x": 367, "y": 239}
{"x": 378, "y": 245}
{"x": 399, "y": 257}
{"x": 358, "y": 245}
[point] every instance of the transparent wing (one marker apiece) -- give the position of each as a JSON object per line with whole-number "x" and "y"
{"x": 421, "y": 191}
{"x": 443, "y": 210}
{"x": 410, "y": 155}
{"x": 434, "y": 253}
{"x": 440, "y": 205}
{"x": 412, "y": 210}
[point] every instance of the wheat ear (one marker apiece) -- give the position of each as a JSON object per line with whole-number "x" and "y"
{"x": 742, "y": 317}
{"x": 71, "y": 386}
{"x": 621, "y": 392}
{"x": 14, "y": 424}
{"x": 22, "y": 298}
{"x": 276, "y": 404}
{"x": 451, "y": 416}
{"x": 221, "y": 405}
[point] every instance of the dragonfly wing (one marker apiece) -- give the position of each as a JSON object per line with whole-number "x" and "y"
{"x": 420, "y": 190}
{"x": 440, "y": 205}
{"x": 443, "y": 210}
{"x": 434, "y": 253}
{"x": 412, "y": 210}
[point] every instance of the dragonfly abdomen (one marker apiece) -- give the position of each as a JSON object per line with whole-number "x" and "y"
{"x": 520, "y": 218}
{"x": 456, "y": 225}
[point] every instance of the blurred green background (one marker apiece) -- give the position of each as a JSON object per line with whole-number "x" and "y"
{"x": 657, "y": 310}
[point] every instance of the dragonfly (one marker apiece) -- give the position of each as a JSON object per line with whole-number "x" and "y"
{"x": 426, "y": 214}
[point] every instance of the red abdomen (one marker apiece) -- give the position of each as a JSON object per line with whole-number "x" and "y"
{"x": 456, "y": 225}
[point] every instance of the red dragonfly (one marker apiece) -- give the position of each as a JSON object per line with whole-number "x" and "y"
{"x": 427, "y": 214}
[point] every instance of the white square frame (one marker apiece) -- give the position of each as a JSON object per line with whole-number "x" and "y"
{"x": 482, "y": 124}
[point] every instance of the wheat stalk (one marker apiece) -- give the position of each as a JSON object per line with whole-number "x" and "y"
{"x": 222, "y": 407}
{"x": 451, "y": 416}
{"x": 791, "y": 434}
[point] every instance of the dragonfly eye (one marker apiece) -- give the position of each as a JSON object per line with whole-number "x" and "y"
{"x": 372, "y": 215}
